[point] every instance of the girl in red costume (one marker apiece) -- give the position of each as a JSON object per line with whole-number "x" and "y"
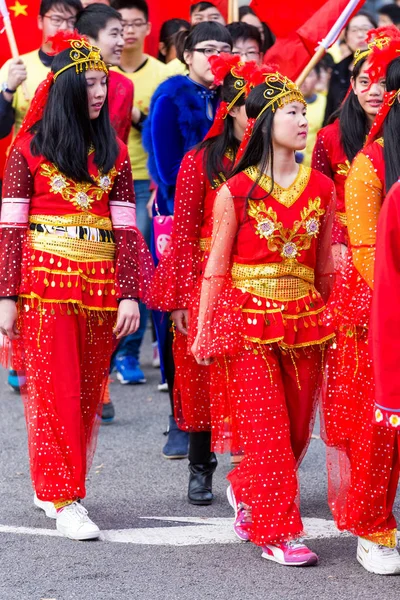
{"x": 260, "y": 320}
{"x": 175, "y": 285}
{"x": 363, "y": 461}
{"x": 70, "y": 271}
{"x": 338, "y": 143}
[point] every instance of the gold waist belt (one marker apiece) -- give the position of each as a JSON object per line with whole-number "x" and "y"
{"x": 205, "y": 244}
{"x": 341, "y": 217}
{"x": 78, "y": 220}
{"x": 276, "y": 281}
{"x": 72, "y": 248}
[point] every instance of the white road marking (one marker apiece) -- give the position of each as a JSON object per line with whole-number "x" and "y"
{"x": 198, "y": 531}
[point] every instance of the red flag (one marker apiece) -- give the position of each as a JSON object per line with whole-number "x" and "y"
{"x": 161, "y": 11}
{"x": 282, "y": 18}
{"x": 293, "y": 52}
{"x": 23, "y": 14}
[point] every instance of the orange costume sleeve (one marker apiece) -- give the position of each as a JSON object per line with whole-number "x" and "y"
{"x": 363, "y": 199}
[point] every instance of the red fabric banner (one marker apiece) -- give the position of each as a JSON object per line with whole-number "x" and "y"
{"x": 24, "y": 14}
{"x": 292, "y": 52}
{"x": 284, "y": 18}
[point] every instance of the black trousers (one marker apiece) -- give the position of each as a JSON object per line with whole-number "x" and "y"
{"x": 200, "y": 441}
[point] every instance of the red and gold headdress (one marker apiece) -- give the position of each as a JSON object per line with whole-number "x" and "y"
{"x": 63, "y": 40}
{"x": 246, "y": 75}
{"x": 276, "y": 96}
{"x": 384, "y": 46}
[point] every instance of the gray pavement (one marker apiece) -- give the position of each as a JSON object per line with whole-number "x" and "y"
{"x": 129, "y": 481}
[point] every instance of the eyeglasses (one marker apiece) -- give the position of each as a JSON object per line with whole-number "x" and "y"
{"x": 59, "y": 21}
{"x": 138, "y": 24}
{"x": 211, "y": 51}
{"x": 250, "y": 55}
{"x": 364, "y": 29}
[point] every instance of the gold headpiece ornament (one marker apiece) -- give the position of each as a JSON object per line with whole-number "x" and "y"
{"x": 278, "y": 96}
{"x": 81, "y": 60}
{"x": 239, "y": 85}
{"x": 379, "y": 43}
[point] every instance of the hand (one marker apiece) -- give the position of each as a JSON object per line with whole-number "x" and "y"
{"x": 136, "y": 114}
{"x": 17, "y": 74}
{"x": 181, "y": 320}
{"x": 128, "y": 318}
{"x": 194, "y": 350}
{"x": 8, "y": 318}
{"x": 150, "y": 203}
{"x": 339, "y": 252}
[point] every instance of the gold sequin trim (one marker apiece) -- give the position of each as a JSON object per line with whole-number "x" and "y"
{"x": 311, "y": 343}
{"x": 78, "y": 220}
{"x": 272, "y": 270}
{"x": 78, "y": 303}
{"x": 73, "y": 273}
{"x": 72, "y": 248}
{"x": 286, "y": 196}
{"x": 205, "y": 244}
{"x": 384, "y": 538}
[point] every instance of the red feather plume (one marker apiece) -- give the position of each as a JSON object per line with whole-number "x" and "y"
{"x": 384, "y": 43}
{"x": 62, "y": 40}
{"x": 222, "y": 64}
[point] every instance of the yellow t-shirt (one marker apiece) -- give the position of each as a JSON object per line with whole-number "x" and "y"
{"x": 176, "y": 67}
{"x": 37, "y": 72}
{"x": 315, "y": 118}
{"x": 146, "y": 80}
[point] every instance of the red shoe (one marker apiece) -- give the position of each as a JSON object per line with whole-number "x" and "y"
{"x": 291, "y": 554}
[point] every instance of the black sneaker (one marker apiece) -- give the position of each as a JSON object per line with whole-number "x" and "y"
{"x": 108, "y": 413}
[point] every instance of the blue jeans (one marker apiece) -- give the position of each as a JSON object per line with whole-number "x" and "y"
{"x": 130, "y": 345}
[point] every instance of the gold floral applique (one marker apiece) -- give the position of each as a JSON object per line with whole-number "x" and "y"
{"x": 81, "y": 195}
{"x": 288, "y": 242}
{"x": 344, "y": 168}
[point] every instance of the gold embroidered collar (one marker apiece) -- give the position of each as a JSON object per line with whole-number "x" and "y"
{"x": 286, "y": 196}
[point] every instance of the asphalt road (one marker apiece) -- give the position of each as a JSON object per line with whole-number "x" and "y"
{"x": 192, "y": 556}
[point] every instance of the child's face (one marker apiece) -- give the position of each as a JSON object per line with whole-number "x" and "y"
{"x": 309, "y": 85}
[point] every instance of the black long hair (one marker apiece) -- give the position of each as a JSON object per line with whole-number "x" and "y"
{"x": 259, "y": 151}
{"x": 353, "y": 122}
{"x": 391, "y": 127}
{"x": 203, "y": 32}
{"x": 65, "y": 133}
{"x": 216, "y": 147}
{"x": 168, "y": 31}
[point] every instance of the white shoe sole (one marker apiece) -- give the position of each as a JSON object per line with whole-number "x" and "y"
{"x": 50, "y": 512}
{"x": 232, "y": 503}
{"x": 127, "y": 382}
{"x": 90, "y": 535}
{"x": 307, "y": 563}
{"x": 375, "y": 570}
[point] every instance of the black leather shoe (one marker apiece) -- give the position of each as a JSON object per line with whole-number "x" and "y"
{"x": 200, "y": 482}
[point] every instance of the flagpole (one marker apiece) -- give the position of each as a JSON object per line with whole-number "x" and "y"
{"x": 233, "y": 11}
{"x": 328, "y": 40}
{"x": 11, "y": 39}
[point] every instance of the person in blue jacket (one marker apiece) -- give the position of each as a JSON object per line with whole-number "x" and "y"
{"x": 182, "y": 111}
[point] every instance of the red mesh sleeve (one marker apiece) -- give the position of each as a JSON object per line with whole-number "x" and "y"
{"x": 134, "y": 265}
{"x": 217, "y": 273}
{"x": 320, "y": 158}
{"x": 324, "y": 268}
{"x": 177, "y": 271}
{"x": 17, "y": 191}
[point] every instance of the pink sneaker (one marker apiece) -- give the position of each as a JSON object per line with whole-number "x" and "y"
{"x": 291, "y": 554}
{"x": 242, "y": 523}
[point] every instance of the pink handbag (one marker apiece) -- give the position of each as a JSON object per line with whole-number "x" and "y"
{"x": 162, "y": 229}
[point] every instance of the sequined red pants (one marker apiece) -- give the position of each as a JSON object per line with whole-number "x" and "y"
{"x": 66, "y": 359}
{"x": 191, "y": 389}
{"x": 272, "y": 398}
{"x": 363, "y": 458}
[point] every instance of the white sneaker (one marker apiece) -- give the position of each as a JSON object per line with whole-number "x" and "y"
{"x": 48, "y": 507}
{"x": 378, "y": 559}
{"x": 74, "y": 523}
